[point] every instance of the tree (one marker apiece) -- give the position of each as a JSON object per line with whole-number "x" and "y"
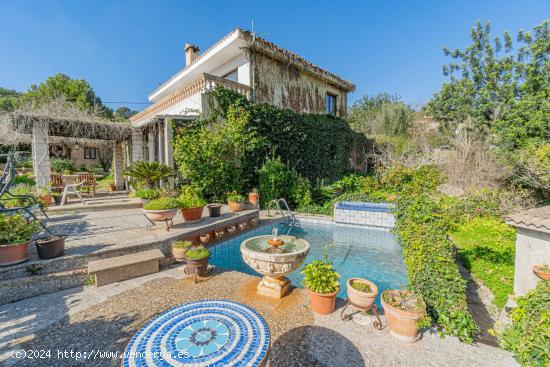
{"x": 123, "y": 114}
{"x": 76, "y": 91}
{"x": 9, "y": 99}
{"x": 381, "y": 114}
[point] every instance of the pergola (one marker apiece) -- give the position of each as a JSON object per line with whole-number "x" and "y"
{"x": 41, "y": 130}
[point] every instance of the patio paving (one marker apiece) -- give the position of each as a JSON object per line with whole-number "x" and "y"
{"x": 95, "y": 321}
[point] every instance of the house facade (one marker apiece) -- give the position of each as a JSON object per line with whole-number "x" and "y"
{"x": 250, "y": 65}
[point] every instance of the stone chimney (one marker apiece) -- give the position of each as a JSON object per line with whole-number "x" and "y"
{"x": 191, "y": 53}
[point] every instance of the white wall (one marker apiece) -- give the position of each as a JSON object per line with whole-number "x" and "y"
{"x": 240, "y": 63}
{"x": 532, "y": 248}
{"x": 186, "y": 107}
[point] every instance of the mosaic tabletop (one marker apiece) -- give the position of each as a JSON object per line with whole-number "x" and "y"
{"x": 204, "y": 333}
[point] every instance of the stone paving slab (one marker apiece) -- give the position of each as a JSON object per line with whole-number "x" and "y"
{"x": 106, "y": 318}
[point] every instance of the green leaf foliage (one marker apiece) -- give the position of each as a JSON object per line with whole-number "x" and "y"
{"x": 148, "y": 173}
{"x": 161, "y": 204}
{"x": 197, "y": 252}
{"x": 14, "y": 229}
{"x": 320, "y": 277}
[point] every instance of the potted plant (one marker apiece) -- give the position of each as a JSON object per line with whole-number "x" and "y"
{"x": 254, "y": 197}
{"x": 161, "y": 209}
{"x": 214, "y": 210}
{"x": 197, "y": 260}
{"x": 145, "y": 194}
{"x": 542, "y": 271}
{"x": 192, "y": 205}
{"x": 322, "y": 285}
{"x": 50, "y": 246}
{"x": 179, "y": 248}
{"x": 235, "y": 201}
{"x": 404, "y": 311}
{"x": 361, "y": 293}
{"x": 111, "y": 187}
{"x": 45, "y": 196}
{"x": 57, "y": 196}
{"x": 15, "y": 234}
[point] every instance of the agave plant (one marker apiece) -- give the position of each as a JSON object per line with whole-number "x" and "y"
{"x": 148, "y": 173}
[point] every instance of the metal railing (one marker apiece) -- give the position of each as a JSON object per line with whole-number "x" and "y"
{"x": 289, "y": 218}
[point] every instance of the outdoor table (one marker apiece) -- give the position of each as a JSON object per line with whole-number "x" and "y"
{"x": 203, "y": 333}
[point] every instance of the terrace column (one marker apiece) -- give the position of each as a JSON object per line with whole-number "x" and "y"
{"x": 118, "y": 164}
{"x": 160, "y": 143}
{"x": 137, "y": 145}
{"x": 168, "y": 147}
{"x": 151, "y": 145}
{"x": 41, "y": 154}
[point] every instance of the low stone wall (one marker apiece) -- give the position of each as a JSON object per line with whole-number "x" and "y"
{"x": 365, "y": 214}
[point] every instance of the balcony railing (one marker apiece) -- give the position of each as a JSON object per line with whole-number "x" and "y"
{"x": 205, "y": 82}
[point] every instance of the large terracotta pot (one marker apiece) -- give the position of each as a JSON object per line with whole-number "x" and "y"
{"x": 537, "y": 269}
{"x": 362, "y": 300}
{"x": 50, "y": 248}
{"x": 254, "y": 198}
{"x": 235, "y": 206}
{"x": 14, "y": 254}
{"x": 192, "y": 215}
{"x": 322, "y": 303}
{"x": 402, "y": 323}
{"x": 161, "y": 215}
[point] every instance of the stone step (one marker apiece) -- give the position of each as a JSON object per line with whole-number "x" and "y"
{"x": 116, "y": 269}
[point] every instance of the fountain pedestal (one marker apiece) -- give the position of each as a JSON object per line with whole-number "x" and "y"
{"x": 274, "y": 262}
{"x": 274, "y": 287}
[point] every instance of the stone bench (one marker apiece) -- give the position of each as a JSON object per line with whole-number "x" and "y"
{"x": 125, "y": 267}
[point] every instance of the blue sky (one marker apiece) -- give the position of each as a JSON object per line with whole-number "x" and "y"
{"x": 126, "y": 48}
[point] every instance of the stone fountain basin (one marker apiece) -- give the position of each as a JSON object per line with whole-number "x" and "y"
{"x": 274, "y": 264}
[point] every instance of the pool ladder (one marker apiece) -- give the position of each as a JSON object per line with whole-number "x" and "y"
{"x": 289, "y": 218}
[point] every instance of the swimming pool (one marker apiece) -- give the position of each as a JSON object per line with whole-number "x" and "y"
{"x": 355, "y": 251}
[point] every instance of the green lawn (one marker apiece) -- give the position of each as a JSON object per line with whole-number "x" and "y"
{"x": 486, "y": 247}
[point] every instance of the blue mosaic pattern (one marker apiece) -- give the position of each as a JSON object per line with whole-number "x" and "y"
{"x": 206, "y": 333}
{"x": 355, "y": 251}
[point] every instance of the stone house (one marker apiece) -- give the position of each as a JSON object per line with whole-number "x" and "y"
{"x": 241, "y": 61}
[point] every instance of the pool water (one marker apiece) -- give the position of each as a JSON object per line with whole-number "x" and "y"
{"x": 354, "y": 251}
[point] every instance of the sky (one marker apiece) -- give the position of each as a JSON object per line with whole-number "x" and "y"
{"x": 125, "y": 49}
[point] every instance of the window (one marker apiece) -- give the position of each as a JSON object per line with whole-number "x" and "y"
{"x": 232, "y": 75}
{"x": 331, "y": 104}
{"x": 90, "y": 153}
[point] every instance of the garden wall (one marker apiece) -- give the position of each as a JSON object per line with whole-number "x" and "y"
{"x": 365, "y": 214}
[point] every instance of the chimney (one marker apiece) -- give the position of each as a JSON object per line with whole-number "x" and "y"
{"x": 191, "y": 53}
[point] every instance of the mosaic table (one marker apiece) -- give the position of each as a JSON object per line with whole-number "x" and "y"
{"x": 204, "y": 333}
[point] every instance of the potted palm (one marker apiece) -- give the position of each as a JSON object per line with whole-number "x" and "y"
{"x": 179, "y": 248}
{"x": 192, "y": 205}
{"x": 15, "y": 235}
{"x": 50, "y": 246}
{"x": 161, "y": 209}
{"x": 197, "y": 260}
{"x": 235, "y": 201}
{"x": 148, "y": 173}
{"x": 404, "y": 311}
{"x": 322, "y": 285}
{"x": 361, "y": 293}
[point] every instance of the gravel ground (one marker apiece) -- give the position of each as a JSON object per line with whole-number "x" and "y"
{"x": 298, "y": 337}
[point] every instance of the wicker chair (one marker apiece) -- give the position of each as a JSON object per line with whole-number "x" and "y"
{"x": 88, "y": 181}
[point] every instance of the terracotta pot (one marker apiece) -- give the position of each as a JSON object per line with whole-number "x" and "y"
{"x": 198, "y": 267}
{"x": 537, "y": 269}
{"x": 235, "y": 206}
{"x": 50, "y": 248}
{"x": 362, "y": 300}
{"x": 14, "y": 254}
{"x": 179, "y": 253}
{"x": 47, "y": 199}
{"x": 402, "y": 323}
{"x": 111, "y": 188}
{"x": 161, "y": 215}
{"x": 322, "y": 303}
{"x": 192, "y": 215}
{"x": 254, "y": 198}
{"x": 214, "y": 210}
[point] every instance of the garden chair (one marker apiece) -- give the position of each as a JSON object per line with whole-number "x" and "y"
{"x": 57, "y": 182}
{"x": 88, "y": 182}
{"x": 73, "y": 189}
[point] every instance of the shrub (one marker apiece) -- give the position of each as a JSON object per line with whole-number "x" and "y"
{"x": 182, "y": 244}
{"x": 14, "y": 229}
{"x": 24, "y": 180}
{"x": 276, "y": 181}
{"x": 161, "y": 204}
{"x": 528, "y": 337}
{"x": 320, "y": 277}
{"x": 197, "y": 253}
{"x": 191, "y": 198}
{"x": 146, "y": 194}
{"x": 148, "y": 173}
{"x": 61, "y": 165}
{"x": 235, "y": 197}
